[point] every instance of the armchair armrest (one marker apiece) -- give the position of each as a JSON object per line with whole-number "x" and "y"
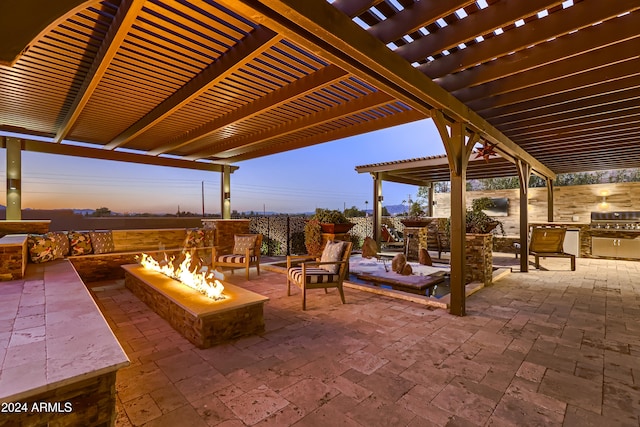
{"x": 293, "y": 257}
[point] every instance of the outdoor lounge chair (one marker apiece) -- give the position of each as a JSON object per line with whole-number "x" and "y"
{"x": 390, "y": 237}
{"x": 329, "y": 272}
{"x": 244, "y": 254}
{"x": 549, "y": 242}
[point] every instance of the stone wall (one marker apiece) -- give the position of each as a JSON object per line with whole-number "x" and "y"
{"x": 13, "y": 257}
{"x": 225, "y": 229}
{"x": 89, "y": 402}
{"x": 571, "y": 203}
{"x": 479, "y": 258}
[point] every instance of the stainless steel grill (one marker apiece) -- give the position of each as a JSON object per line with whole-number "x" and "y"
{"x": 626, "y": 220}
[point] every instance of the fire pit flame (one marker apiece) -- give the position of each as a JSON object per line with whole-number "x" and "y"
{"x": 201, "y": 282}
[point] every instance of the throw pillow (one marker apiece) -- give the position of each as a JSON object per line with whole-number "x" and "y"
{"x": 332, "y": 252}
{"x": 60, "y": 243}
{"x": 102, "y": 242}
{"x": 194, "y": 238}
{"x": 40, "y": 248}
{"x": 242, "y": 243}
{"x": 79, "y": 243}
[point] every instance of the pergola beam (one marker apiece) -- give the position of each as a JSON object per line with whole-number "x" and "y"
{"x": 272, "y": 147}
{"x": 410, "y": 19}
{"x": 593, "y": 60}
{"x": 477, "y": 24}
{"x": 353, "y": 8}
{"x": 232, "y": 147}
{"x": 299, "y": 88}
{"x": 610, "y": 36}
{"x": 252, "y": 45}
{"x": 124, "y": 19}
{"x": 581, "y": 15}
{"x": 321, "y": 28}
{"x": 98, "y": 153}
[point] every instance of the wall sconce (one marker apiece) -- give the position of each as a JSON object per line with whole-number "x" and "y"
{"x": 227, "y": 195}
{"x": 603, "y": 205}
{"x": 434, "y": 202}
{"x": 13, "y": 184}
{"x": 380, "y": 199}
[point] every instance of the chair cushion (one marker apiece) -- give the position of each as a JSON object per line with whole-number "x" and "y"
{"x": 79, "y": 243}
{"x": 314, "y": 275}
{"x": 242, "y": 243}
{"x": 40, "y": 248}
{"x": 235, "y": 259}
{"x": 333, "y": 252}
{"x": 102, "y": 242}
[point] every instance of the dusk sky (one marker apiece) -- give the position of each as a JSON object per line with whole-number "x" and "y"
{"x": 321, "y": 176}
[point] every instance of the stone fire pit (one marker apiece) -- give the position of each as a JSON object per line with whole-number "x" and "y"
{"x": 201, "y": 320}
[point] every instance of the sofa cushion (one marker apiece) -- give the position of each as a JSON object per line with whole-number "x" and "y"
{"x": 40, "y": 248}
{"x": 79, "y": 243}
{"x": 242, "y": 243}
{"x": 60, "y": 243}
{"x": 102, "y": 242}
{"x": 332, "y": 252}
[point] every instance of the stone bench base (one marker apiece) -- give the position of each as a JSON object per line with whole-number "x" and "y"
{"x": 201, "y": 320}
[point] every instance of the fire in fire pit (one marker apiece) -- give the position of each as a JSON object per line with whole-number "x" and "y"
{"x": 205, "y": 283}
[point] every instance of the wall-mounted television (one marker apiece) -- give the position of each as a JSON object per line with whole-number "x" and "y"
{"x": 500, "y": 207}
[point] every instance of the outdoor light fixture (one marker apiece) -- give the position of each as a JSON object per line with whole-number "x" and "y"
{"x": 227, "y": 195}
{"x": 603, "y": 205}
{"x": 13, "y": 184}
{"x": 380, "y": 198}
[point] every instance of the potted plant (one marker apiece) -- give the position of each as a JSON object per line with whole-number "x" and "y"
{"x": 476, "y": 221}
{"x": 332, "y": 221}
{"x": 313, "y": 237}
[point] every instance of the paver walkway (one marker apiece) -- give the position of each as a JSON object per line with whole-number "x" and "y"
{"x": 545, "y": 348}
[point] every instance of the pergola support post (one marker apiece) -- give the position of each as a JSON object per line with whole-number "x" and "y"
{"x": 225, "y": 192}
{"x": 524, "y": 174}
{"x": 458, "y": 150}
{"x": 549, "y": 199}
{"x": 377, "y": 208}
{"x": 14, "y": 179}
{"x": 431, "y": 200}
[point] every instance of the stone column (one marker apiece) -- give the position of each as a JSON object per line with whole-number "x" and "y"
{"x": 14, "y": 179}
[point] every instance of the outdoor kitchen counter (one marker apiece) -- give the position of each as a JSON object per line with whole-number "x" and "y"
{"x": 55, "y": 346}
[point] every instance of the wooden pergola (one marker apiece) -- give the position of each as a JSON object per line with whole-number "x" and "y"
{"x": 209, "y": 83}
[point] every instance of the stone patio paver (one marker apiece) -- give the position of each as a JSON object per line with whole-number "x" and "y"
{"x": 552, "y": 348}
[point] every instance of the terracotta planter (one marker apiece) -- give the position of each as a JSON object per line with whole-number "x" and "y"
{"x": 336, "y": 228}
{"x": 416, "y": 223}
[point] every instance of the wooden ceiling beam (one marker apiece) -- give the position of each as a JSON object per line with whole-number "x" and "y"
{"x": 609, "y": 35}
{"x": 231, "y": 147}
{"x": 561, "y": 88}
{"x": 598, "y": 94}
{"x": 270, "y": 147}
{"x": 578, "y": 16}
{"x": 419, "y": 14}
{"x": 122, "y": 22}
{"x": 618, "y": 104}
{"x": 477, "y": 24}
{"x": 301, "y": 87}
{"x": 566, "y": 69}
{"x": 593, "y": 122}
{"x": 321, "y": 29}
{"x": 251, "y": 46}
{"x": 353, "y": 8}
{"x": 614, "y": 130}
{"x": 119, "y": 156}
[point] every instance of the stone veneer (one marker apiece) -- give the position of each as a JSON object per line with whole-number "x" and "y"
{"x": 201, "y": 320}
{"x": 89, "y": 402}
{"x": 13, "y": 257}
{"x": 225, "y": 229}
{"x": 479, "y": 258}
